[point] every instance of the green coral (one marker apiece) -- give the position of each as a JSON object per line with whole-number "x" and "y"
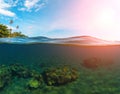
{"x": 33, "y": 83}
{"x": 36, "y": 80}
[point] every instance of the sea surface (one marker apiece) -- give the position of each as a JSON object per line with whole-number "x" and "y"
{"x": 42, "y": 53}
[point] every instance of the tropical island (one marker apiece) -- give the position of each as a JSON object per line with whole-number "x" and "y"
{"x": 7, "y": 32}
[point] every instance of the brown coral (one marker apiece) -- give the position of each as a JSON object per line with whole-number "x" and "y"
{"x": 60, "y": 76}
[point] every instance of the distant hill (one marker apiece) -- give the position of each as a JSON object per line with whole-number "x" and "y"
{"x": 82, "y": 40}
{"x": 40, "y": 38}
{"x": 77, "y": 40}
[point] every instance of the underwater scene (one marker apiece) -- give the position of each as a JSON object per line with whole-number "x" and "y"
{"x": 28, "y": 67}
{"x": 59, "y": 46}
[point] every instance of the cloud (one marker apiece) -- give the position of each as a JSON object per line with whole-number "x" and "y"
{"x": 4, "y": 9}
{"x": 21, "y": 5}
{"x": 7, "y": 13}
{"x": 29, "y": 5}
{"x": 13, "y": 3}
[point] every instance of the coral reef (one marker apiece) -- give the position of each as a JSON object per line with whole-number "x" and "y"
{"x": 19, "y": 70}
{"x": 5, "y": 75}
{"x": 60, "y": 76}
{"x": 35, "y": 80}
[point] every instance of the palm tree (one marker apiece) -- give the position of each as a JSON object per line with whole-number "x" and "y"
{"x": 11, "y": 22}
{"x": 17, "y": 27}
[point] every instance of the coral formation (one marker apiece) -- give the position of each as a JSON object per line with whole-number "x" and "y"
{"x": 60, "y": 76}
{"x": 19, "y": 70}
{"x": 33, "y": 83}
{"x": 34, "y": 79}
{"x": 5, "y": 75}
{"x": 35, "y": 74}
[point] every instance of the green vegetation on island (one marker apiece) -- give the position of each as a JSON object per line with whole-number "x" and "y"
{"x": 7, "y": 32}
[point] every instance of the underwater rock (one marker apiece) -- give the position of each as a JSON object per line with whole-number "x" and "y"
{"x": 94, "y": 63}
{"x": 60, "y": 76}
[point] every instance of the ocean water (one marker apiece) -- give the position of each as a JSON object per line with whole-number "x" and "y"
{"x": 39, "y": 55}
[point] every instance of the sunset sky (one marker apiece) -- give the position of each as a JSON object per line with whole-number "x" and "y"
{"x": 63, "y": 18}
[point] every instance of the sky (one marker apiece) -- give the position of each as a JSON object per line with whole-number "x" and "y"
{"x": 63, "y": 18}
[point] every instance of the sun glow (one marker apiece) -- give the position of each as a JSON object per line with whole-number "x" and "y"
{"x": 106, "y": 18}
{"x": 98, "y": 18}
{"x": 106, "y": 23}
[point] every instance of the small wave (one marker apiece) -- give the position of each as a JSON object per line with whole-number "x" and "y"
{"x": 71, "y": 40}
{"x": 27, "y": 40}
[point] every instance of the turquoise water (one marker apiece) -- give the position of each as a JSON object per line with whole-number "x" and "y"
{"x": 103, "y": 79}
